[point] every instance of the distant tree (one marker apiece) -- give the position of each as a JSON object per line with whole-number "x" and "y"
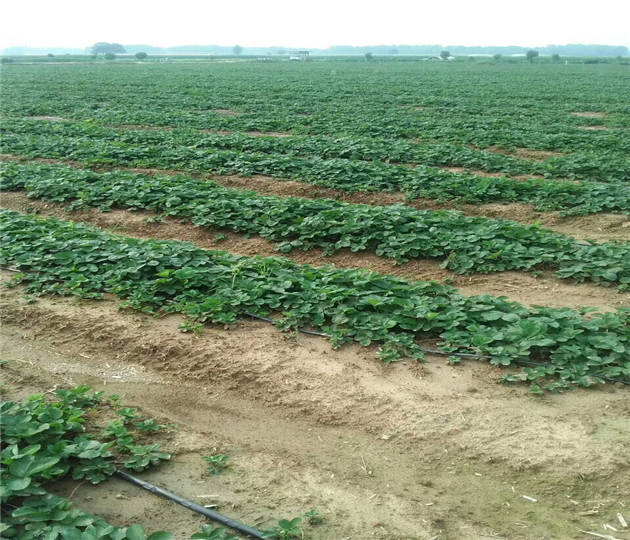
{"x": 393, "y": 51}
{"x": 445, "y": 55}
{"x": 555, "y": 57}
{"x": 531, "y": 54}
{"x": 50, "y": 55}
{"x": 497, "y": 57}
{"x": 237, "y": 49}
{"x": 104, "y": 48}
{"x": 368, "y": 56}
{"x": 6, "y": 60}
{"x": 141, "y": 55}
{"x": 110, "y": 56}
{"x": 281, "y": 51}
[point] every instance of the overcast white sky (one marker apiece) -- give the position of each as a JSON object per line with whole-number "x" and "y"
{"x": 314, "y": 24}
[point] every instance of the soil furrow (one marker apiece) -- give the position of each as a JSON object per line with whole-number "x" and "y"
{"x": 382, "y": 451}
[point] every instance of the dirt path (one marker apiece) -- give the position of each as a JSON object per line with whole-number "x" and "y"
{"x": 406, "y": 451}
{"x": 522, "y": 287}
{"x": 599, "y": 227}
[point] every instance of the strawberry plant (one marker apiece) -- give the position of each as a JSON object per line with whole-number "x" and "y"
{"x": 292, "y": 528}
{"x": 352, "y": 305}
{"x": 586, "y": 166}
{"x": 209, "y": 532}
{"x": 217, "y": 463}
{"x": 44, "y": 441}
{"x": 285, "y": 530}
{"x": 342, "y": 174}
{"x": 464, "y": 244}
{"x": 458, "y": 104}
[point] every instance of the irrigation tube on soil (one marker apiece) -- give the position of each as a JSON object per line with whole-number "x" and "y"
{"x": 314, "y": 333}
{"x": 214, "y": 516}
{"x": 442, "y": 353}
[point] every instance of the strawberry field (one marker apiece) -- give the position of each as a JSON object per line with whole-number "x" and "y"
{"x": 468, "y": 186}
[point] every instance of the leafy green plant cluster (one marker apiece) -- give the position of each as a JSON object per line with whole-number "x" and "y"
{"x": 293, "y": 528}
{"x": 462, "y": 103}
{"x": 52, "y": 517}
{"x": 348, "y": 305}
{"x": 210, "y": 532}
{"x": 217, "y": 463}
{"x": 465, "y": 244}
{"x": 286, "y": 529}
{"x": 44, "y": 441}
{"x": 421, "y": 181}
{"x": 592, "y": 166}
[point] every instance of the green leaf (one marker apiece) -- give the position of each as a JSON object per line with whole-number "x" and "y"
{"x": 30, "y": 466}
{"x": 160, "y": 535}
{"x": 136, "y": 532}
{"x": 17, "y": 484}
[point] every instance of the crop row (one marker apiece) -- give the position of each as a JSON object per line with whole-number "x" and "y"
{"x": 342, "y": 174}
{"x": 465, "y": 244}
{"x": 584, "y": 166}
{"x": 521, "y": 106}
{"x": 348, "y": 305}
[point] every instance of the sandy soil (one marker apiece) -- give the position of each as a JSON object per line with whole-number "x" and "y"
{"x": 589, "y": 114}
{"x": 486, "y": 174}
{"x": 225, "y": 112}
{"x": 49, "y": 118}
{"x": 406, "y": 451}
{"x": 521, "y": 287}
{"x": 524, "y": 153}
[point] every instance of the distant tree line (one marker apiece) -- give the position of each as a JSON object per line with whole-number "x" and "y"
{"x": 107, "y": 48}
{"x": 421, "y": 50}
{"x": 434, "y": 50}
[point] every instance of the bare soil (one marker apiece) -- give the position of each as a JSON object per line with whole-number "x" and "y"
{"x": 486, "y": 174}
{"x": 48, "y": 118}
{"x": 524, "y": 153}
{"x": 589, "y": 114}
{"x": 406, "y": 451}
{"x": 521, "y": 287}
{"x": 594, "y": 128}
{"x": 280, "y": 134}
{"x": 226, "y": 112}
{"x": 143, "y": 127}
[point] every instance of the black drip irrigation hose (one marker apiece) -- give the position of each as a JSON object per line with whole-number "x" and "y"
{"x": 442, "y": 353}
{"x": 315, "y": 333}
{"x": 428, "y": 351}
{"x": 211, "y": 514}
{"x": 303, "y": 330}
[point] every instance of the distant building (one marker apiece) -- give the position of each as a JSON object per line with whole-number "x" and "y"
{"x": 299, "y": 55}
